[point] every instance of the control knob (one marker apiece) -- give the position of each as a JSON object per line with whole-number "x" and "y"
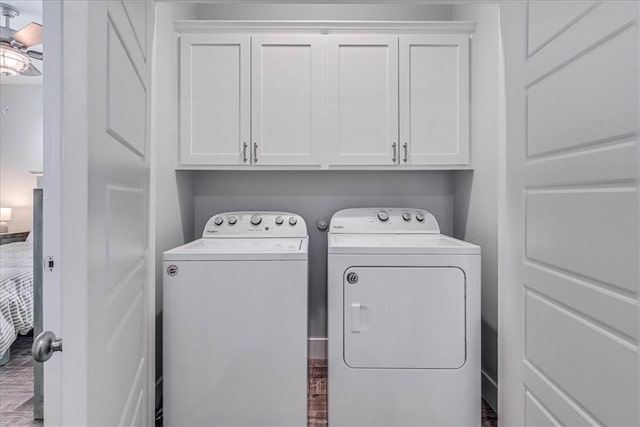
{"x": 293, "y": 220}
{"x": 232, "y": 220}
{"x": 406, "y": 216}
{"x": 279, "y": 220}
{"x": 256, "y": 219}
{"x": 420, "y": 216}
{"x": 383, "y": 216}
{"x": 218, "y": 220}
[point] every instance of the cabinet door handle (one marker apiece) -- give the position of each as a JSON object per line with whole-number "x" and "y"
{"x": 395, "y": 156}
{"x": 406, "y": 152}
{"x": 255, "y": 152}
{"x": 244, "y": 152}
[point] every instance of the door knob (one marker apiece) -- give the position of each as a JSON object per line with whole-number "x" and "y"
{"x": 44, "y": 345}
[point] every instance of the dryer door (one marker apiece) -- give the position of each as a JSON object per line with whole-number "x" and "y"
{"x": 404, "y": 317}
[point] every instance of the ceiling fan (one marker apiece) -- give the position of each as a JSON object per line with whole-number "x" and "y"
{"x": 15, "y": 58}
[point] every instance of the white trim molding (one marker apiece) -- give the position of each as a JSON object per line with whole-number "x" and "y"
{"x": 327, "y": 27}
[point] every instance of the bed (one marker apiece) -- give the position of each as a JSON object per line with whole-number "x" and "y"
{"x": 16, "y": 292}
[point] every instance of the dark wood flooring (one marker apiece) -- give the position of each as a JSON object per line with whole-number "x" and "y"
{"x": 16, "y": 390}
{"x": 16, "y": 386}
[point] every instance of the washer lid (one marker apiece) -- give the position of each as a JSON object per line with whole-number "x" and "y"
{"x": 384, "y": 220}
{"x": 423, "y": 244}
{"x": 259, "y": 249}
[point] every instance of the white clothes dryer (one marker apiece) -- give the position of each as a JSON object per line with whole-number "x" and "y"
{"x": 235, "y": 323}
{"x": 404, "y": 321}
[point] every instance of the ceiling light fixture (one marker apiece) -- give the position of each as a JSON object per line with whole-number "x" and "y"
{"x": 12, "y": 61}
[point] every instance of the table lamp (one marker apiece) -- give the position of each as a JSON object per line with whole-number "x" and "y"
{"x": 5, "y": 215}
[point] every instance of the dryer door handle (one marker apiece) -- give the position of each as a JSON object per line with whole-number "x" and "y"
{"x": 355, "y": 317}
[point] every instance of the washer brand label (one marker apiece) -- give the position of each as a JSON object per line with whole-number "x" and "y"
{"x": 172, "y": 270}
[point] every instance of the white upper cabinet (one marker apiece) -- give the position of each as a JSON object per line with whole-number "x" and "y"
{"x": 434, "y": 99}
{"x": 287, "y": 99}
{"x": 214, "y": 98}
{"x": 363, "y": 99}
{"x": 312, "y": 95}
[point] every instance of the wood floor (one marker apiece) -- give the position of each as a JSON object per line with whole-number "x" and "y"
{"x": 16, "y": 390}
{"x": 16, "y": 386}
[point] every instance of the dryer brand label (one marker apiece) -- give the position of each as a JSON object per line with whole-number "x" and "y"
{"x": 172, "y": 270}
{"x": 352, "y": 278}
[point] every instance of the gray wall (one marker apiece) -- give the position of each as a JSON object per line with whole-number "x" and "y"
{"x": 20, "y": 150}
{"x": 388, "y": 12}
{"x": 476, "y": 192}
{"x": 316, "y": 195}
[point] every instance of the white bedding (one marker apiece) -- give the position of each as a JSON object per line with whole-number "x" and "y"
{"x": 16, "y": 292}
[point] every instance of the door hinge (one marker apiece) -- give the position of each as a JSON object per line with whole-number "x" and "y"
{"x": 49, "y": 263}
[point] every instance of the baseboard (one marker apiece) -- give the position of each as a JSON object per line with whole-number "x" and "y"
{"x": 490, "y": 391}
{"x": 317, "y": 347}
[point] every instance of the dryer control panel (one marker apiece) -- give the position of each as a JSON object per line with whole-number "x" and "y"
{"x": 384, "y": 220}
{"x": 255, "y": 224}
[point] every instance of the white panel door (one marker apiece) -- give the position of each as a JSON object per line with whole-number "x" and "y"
{"x": 434, "y": 99}
{"x": 569, "y": 287}
{"x": 363, "y": 99}
{"x": 99, "y": 295}
{"x": 404, "y": 318}
{"x": 288, "y": 75}
{"x": 215, "y": 74}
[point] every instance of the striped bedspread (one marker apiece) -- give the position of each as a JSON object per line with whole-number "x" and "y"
{"x": 16, "y": 292}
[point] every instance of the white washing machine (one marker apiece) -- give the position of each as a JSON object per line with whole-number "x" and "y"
{"x": 235, "y": 323}
{"x": 404, "y": 321}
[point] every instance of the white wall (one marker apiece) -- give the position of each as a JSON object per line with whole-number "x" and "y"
{"x": 476, "y": 192}
{"x": 316, "y": 195}
{"x": 172, "y": 190}
{"x": 20, "y": 150}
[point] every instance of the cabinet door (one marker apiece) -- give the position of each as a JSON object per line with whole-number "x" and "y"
{"x": 434, "y": 99}
{"x": 287, "y": 97}
{"x": 214, "y": 98}
{"x": 363, "y": 99}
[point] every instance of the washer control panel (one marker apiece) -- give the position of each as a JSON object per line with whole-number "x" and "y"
{"x": 384, "y": 220}
{"x": 255, "y": 224}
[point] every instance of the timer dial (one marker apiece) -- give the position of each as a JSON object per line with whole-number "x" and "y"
{"x": 256, "y": 219}
{"x": 383, "y": 216}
